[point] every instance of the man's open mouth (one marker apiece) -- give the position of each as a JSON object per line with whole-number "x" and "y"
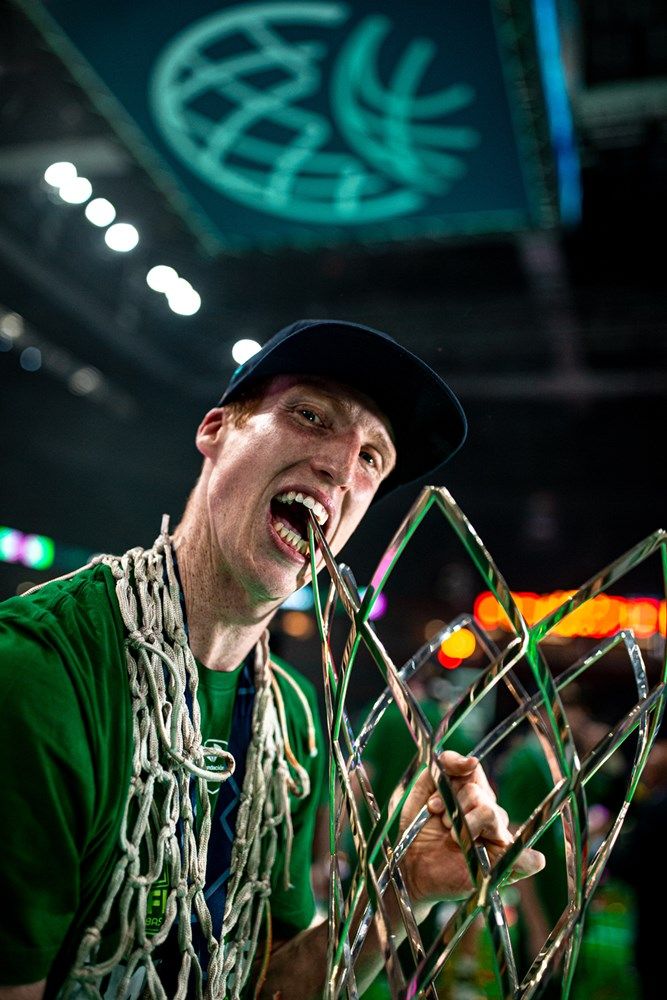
{"x": 289, "y": 515}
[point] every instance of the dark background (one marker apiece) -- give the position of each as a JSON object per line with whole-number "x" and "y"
{"x": 556, "y": 342}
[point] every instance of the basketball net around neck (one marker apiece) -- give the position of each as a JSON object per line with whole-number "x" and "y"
{"x": 158, "y": 830}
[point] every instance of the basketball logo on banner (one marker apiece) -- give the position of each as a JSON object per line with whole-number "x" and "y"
{"x": 274, "y": 106}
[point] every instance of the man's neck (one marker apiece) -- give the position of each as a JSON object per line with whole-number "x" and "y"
{"x": 223, "y": 623}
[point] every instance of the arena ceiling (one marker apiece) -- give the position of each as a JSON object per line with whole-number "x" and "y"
{"x": 555, "y": 340}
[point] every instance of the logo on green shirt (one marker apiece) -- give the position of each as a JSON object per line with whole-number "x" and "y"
{"x": 214, "y": 763}
{"x": 156, "y": 904}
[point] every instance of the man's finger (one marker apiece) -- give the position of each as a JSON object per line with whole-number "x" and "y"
{"x": 528, "y": 863}
{"x": 470, "y": 796}
{"x": 456, "y": 765}
{"x": 486, "y": 823}
{"x": 461, "y": 770}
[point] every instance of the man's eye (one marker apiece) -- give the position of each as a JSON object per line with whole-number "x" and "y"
{"x": 369, "y": 458}
{"x": 310, "y": 415}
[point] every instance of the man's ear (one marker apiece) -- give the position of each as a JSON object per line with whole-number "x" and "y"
{"x": 210, "y": 431}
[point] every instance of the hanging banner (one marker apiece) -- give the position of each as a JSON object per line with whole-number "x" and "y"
{"x": 317, "y": 123}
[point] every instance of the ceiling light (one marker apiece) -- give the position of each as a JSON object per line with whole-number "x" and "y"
{"x": 76, "y": 190}
{"x": 121, "y": 237}
{"x": 161, "y": 278}
{"x": 182, "y": 298}
{"x": 11, "y": 325}
{"x": 100, "y": 212}
{"x": 84, "y": 381}
{"x": 244, "y": 349}
{"x": 59, "y": 173}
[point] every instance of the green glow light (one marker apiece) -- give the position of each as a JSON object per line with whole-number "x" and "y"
{"x": 38, "y": 551}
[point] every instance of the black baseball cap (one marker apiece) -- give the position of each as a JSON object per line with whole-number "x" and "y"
{"x": 427, "y": 420}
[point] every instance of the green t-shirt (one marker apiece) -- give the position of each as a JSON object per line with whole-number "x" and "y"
{"x": 65, "y": 764}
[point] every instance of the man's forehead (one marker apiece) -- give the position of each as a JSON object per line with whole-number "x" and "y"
{"x": 341, "y": 395}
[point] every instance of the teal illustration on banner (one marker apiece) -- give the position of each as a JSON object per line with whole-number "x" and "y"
{"x": 241, "y": 121}
{"x": 319, "y": 122}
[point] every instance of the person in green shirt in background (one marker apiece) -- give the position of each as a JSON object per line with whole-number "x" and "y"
{"x": 158, "y": 815}
{"x": 523, "y": 779}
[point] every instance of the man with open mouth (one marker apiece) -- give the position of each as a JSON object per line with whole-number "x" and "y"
{"x": 160, "y": 766}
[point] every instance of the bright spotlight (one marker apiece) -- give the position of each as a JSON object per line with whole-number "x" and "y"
{"x": 244, "y": 349}
{"x": 59, "y": 173}
{"x": 76, "y": 190}
{"x": 121, "y": 237}
{"x": 182, "y": 298}
{"x": 161, "y": 277}
{"x": 100, "y": 212}
{"x": 12, "y": 326}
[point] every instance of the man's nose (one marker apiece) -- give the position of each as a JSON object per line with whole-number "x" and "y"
{"x": 337, "y": 458}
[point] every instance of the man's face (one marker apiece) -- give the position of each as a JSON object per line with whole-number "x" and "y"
{"x": 308, "y": 443}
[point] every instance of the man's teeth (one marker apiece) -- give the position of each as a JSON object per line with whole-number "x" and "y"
{"x": 321, "y": 515}
{"x": 293, "y": 538}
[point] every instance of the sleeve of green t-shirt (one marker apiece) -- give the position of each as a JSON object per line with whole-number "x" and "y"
{"x": 46, "y": 778}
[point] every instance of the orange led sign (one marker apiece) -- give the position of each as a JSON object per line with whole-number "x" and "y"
{"x": 602, "y": 616}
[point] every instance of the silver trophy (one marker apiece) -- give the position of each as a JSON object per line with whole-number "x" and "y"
{"x": 361, "y": 879}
